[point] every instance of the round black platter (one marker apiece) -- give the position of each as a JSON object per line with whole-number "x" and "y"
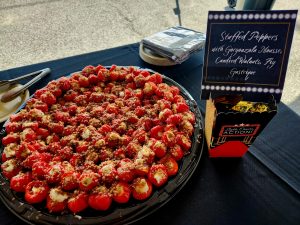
{"x": 117, "y": 214}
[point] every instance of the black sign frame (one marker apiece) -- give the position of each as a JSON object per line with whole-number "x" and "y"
{"x": 267, "y": 64}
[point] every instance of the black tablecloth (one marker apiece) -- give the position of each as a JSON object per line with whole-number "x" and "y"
{"x": 263, "y": 187}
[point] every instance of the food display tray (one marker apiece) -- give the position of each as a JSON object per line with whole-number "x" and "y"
{"x": 117, "y": 214}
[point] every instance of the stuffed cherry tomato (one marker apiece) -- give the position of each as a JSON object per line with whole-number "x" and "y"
{"x": 36, "y": 191}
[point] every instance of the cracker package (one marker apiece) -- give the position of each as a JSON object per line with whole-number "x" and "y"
{"x": 231, "y": 127}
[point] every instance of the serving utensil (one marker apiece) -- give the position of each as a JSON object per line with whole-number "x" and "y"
{"x": 14, "y": 92}
{"x": 14, "y": 80}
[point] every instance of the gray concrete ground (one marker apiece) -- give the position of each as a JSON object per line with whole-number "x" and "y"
{"x": 33, "y": 31}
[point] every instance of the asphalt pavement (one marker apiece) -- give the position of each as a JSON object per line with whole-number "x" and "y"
{"x": 33, "y": 31}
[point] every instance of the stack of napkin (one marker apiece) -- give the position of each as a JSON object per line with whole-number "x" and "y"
{"x": 175, "y": 43}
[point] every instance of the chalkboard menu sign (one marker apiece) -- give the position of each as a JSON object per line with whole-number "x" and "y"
{"x": 247, "y": 53}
